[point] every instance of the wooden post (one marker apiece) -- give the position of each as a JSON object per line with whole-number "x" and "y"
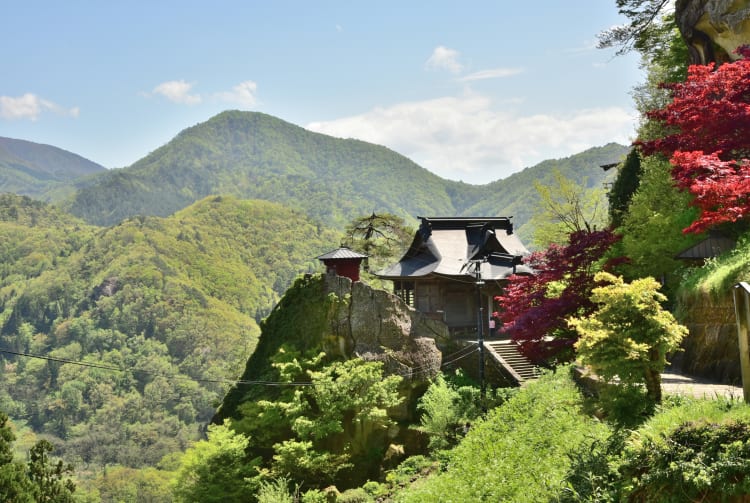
{"x": 742, "y": 312}
{"x": 480, "y": 329}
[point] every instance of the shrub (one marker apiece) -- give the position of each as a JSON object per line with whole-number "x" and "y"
{"x": 700, "y": 461}
{"x": 519, "y": 452}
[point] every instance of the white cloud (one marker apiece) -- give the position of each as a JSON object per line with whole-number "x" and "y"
{"x": 30, "y": 106}
{"x": 443, "y": 58}
{"x": 494, "y": 73}
{"x": 243, "y": 94}
{"x": 177, "y": 91}
{"x": 467, "y": 138}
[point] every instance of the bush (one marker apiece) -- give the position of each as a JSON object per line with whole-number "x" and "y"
{"x": 699, "y": 461}
{"x": 690, "y": 450}
{"x": 358, "y": 495}
{"x": 314, "y": 496}
{"x": 519, "y": 452}
{"x": 277, "y": 491}
{"x": 449, "y": 407}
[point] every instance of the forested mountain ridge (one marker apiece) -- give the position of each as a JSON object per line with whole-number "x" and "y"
{"x": 172, "y": 302}
{"x": 253, "y": 155}
{"x": 516, "y": 195}
{"x": 34, "y": 169}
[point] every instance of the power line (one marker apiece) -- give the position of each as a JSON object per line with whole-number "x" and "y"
{"x": 410, "y": 372}
{"x": 159, "y": 374}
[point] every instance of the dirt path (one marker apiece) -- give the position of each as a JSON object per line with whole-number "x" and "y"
{"x": 685, "y": 385}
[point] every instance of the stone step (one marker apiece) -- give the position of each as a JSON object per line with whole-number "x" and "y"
{"x": 507, "y": 355}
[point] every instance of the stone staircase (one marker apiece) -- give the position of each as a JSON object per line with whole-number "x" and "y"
{"x": 506, "y": 354}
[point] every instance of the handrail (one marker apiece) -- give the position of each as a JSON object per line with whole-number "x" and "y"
{"x": 741, "y": 297}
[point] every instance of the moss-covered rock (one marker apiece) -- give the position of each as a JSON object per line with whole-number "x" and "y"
{"x": 345, "y": 320}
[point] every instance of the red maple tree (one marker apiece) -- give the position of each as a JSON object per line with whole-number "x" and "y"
{"x": 709, "y": 145}
{"x": 534, "y": 309}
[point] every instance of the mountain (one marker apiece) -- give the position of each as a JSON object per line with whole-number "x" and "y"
{"x": 516, "y": 196}
{"x": 159, "y": 312}
{"x": 35, "y": 169}
{"x": 252, "y": 155}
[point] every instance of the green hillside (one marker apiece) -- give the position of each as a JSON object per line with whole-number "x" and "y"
{"x": 256, "y": 156}
{"x": 172, "y": 302}
{"x": 253, "y": 155}
{"x": 34, "y": 169}
{"x": 516, "y": 196}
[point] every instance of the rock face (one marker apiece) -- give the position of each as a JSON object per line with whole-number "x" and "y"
{"x": 713, "y": 29}
{"x": 377, "y": 326}
{"x": 711, "y": 349}
{"x": 347, "y": 319}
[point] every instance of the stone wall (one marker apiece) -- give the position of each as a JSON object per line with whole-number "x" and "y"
{"x": 711, "y": 349}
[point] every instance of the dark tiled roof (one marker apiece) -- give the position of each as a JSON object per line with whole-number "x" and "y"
{"x": 446, "y": 247}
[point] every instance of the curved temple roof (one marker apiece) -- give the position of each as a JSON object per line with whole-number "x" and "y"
{"x": 451, "y": 246}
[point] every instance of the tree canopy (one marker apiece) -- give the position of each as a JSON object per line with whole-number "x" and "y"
{"x": 534, "y": 308}
{"x": 707, "y": 121}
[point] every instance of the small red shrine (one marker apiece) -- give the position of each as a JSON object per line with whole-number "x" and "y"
{"x": 343, "y": 262}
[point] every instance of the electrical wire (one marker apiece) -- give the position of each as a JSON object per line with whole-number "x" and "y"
{"x": 412, "y": 370}
{"x": 159, "y": 374}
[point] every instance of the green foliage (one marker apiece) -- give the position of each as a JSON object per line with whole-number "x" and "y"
{"x": 215, "y": 469}
{"x": 697, "y": 462}
{"x": 314, "y": 496}
{"x": 594, "y": 470}
{"x": 173, "y": 302}
{"x": 334, "y": 422}
{"x": 566, "y": 207}
{"x": 447, "y": 410}
{"x": 625, "y": 185}
{"x": 629, "y": 335}
{"x": 409, "y": 470}
{"x": 519, "y": 452}
{"x": 130, "y": 485}
{"x": 440, "y": 418}
{"x": 356, "y": 495}
{"x": 320, "y": 429}
{"x": 14, "y": 482}
{"x": 48, "y": 478}
{"x": 717, "y": 276}
{"x": 40, "y": 479}
{"x": 652, "y": 227}
{"x": 277, "y": 491}
{"x": 690, "y": 450}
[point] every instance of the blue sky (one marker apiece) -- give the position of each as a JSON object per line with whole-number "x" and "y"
{"x": 472, "y": 91}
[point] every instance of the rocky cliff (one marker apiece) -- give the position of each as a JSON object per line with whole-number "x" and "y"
{"x": 343, "y": 319}
{"x": 713, "y": 29}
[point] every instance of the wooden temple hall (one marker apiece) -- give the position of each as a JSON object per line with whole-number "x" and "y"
{"x": 455, "y": 263}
